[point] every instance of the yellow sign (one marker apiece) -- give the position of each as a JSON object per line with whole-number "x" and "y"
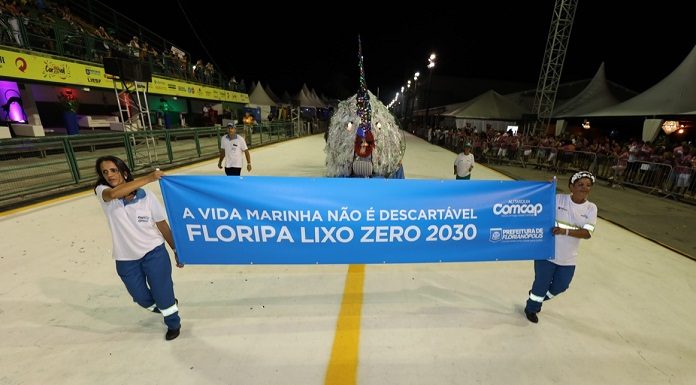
{"x": 27, "y": 66}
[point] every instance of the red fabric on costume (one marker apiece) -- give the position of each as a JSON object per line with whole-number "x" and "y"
{"x": 364, "y": 146}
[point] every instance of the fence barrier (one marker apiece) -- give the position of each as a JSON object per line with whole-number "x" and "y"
{"x": 36, "y": 168}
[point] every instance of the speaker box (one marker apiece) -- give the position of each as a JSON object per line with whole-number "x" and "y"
{"x": 112, "y": 66}
{"x": 128, "y": 69}
{"x": 145, "y": 73}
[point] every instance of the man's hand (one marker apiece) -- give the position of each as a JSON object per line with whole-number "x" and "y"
{"x": 558, "y": 231}
{"x": 178, "y": 263}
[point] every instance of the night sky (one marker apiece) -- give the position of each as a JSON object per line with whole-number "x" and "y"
{"x": 292, "y": 45}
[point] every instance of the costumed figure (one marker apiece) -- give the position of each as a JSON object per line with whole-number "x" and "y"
{"x": 364, "y": 150}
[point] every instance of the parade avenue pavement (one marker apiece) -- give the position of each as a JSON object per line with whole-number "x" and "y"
{"x": 627, "y": 319}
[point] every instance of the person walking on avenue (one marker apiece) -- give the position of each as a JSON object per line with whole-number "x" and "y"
{"x": 138, "y": 231}
{"x": 231, "y": 148}
{"x": 464, "y": 163}
{"x": 575, "y": 220}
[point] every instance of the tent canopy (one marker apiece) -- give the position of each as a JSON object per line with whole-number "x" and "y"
{"x": 596, "y": 95}
{"x": 489, "y": 105}
{"x": 259, "y": 96}
{"x": 674, "y": 95}
{"x": 304, "y": 98}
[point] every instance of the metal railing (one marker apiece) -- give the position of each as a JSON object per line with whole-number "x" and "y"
{"x": 653, "y": 178}
{"x": 32, "y": 169}
{"x": 660, "y": 179}
{"x": 67, "y": 40}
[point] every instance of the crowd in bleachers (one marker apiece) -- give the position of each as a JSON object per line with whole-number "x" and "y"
{"x": 44, "y": 26}
{"x": 661, "y": 167}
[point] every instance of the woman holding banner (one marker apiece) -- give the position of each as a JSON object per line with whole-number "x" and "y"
{"x": 575, "y": 220}
{"x": 138, "y": 231}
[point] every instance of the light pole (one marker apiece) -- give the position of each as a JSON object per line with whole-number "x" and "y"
{"x": 431, "y": 65}
{"x": 415, "y": 92}
{"x": 407, "y": 111}
{"x": 403, "y": 102}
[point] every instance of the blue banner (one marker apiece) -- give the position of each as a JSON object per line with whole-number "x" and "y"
{"x": 285, "y": 220}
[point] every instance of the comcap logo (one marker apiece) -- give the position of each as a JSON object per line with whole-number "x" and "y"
{"x": 518, "y": 209}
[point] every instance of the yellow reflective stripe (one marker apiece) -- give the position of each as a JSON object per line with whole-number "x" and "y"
{"x": 589, "y": 227}
{"x": 151, "y": 308}
{"x": 170, "y": 310}
{"x": 548, "y": 294}
{"x": 536, "y": 298}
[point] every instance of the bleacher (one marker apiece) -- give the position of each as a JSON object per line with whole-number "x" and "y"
{"x": 91, "y": 31}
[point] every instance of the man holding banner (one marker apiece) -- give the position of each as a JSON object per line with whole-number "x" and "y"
{"x": 575, "y": 220}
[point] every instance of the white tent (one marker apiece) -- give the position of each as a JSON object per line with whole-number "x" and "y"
{"x": 674, "y": 95}
{"x": 442, "y": 110}
{"x": 304, "y": 99}
{"x": 316, "y": 98}
{"x": 596, "y": 95}
{"x": 259, "y": 98}
{"x": 489, "y": 105}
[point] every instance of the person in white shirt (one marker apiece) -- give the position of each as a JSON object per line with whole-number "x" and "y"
{"x": 464, "y": 163}
{"x": 231, "y": 148}
{"x": 138, "y": 230}
{"x": 576, "y": 218}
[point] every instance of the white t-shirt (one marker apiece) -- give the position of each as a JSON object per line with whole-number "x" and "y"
{"x": 570, "y": 215}
{"x": 234, "y": 148}
{"x": 133, "y": 226}
{"x": 463, "y": 163}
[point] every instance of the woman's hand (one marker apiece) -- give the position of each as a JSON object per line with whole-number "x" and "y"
{"x": 156, "y": 175}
